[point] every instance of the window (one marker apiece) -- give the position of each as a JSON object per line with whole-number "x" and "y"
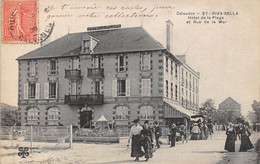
{"x": 176, "y": 92}
{"x": 32, "y": 90}
{"x": 193, "y": 102}
{"x": 122, "y": 113}
{"x": 53, "y": 90}
{"x": 75, "y": 63}
{"x": 167, "y": 86}
{"x": 121, "y": 87}
{"x": 171, "y": 67}
{"x": 121, "y": 63}
{"x": 171, "y": 91}
{"x": 33, "y": 116}
{"x": 182, "y": 77}
{"x": 53, "y": 68}
{"x": 176, "y": 71}
{"x": 32, "y": 68}
{"x": 146, "y": 87}
{"x": 193, "y": 84}
{"x": 146, "y": 62}
{"x": 146, "y": 113}
{"x": 166, "y": 64}
{"x": 53, "y": 116}
{"x": 97, "y": 87}
{"x": 96, "y": 61}
{"x": 86, "y": 45}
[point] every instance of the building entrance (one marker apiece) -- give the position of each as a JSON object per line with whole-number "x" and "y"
{"x": 85, "y": 119}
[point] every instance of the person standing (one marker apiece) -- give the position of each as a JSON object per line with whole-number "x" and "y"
{"x": 146, "y": 135}
{"x": 157, "y": 133}
{"x": 173, "y": 134}
{"x": 246, "y": 144}
{"x": 231, "y": 138}
{"x": 210, "y": 127}
{"x": 135, "y": 131}
{"x": 183, "y": 133}
{"x": 195, "y": 132}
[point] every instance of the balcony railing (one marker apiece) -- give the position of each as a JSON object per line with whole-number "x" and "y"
{"x": 73, "y": 74}
{"x": 95, "y": 72}
{"x": 89, "y": 99}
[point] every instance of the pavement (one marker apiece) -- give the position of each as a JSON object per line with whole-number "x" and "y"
{"x": 209, "y": 151}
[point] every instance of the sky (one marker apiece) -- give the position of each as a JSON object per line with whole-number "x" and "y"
{"x": 226, "y": 55}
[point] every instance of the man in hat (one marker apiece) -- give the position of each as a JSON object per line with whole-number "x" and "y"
{"x": 136, "y": 140}
{"x": 173, "y": 131}
{"x": 157, "y": 133}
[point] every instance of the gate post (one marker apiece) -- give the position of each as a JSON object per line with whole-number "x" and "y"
{"x": 70, "y": 136}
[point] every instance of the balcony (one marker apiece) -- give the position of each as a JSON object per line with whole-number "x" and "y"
{"x": 73, "y": 74}
{"x": 89, "y": 99}
{"x": 95, "y": 73}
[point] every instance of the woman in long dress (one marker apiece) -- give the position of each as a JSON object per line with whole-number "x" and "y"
{"x": 146, "y": 135}
{"x": 135, "y": 131}
{"x": 231, "y": 138}
{"x": 173, "y": 134}
{"x": 246, "y": 144}
{"x": 195, "y": 132}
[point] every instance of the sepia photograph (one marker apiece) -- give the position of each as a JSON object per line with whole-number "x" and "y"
{"x": 120, "y": 81}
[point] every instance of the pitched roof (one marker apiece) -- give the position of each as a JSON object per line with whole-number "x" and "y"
{"x": 110, "y": 41}
{"x": 228, "y": 100}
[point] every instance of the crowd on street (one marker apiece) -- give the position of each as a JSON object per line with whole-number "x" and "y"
{"x": 142, "y": 137}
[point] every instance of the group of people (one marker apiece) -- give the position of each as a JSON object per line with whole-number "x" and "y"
{"x": 142, "y": 137}
{"x": 240, "y": 131}
{"x": 201, "y": 130}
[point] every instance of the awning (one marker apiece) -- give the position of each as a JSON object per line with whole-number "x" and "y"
{"x": 184, "y": 112}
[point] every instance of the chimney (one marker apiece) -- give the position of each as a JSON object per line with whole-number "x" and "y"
{"x": 169, "y": 35}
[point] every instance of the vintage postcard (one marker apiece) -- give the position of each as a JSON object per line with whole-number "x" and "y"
{"x": 125, "y": 81}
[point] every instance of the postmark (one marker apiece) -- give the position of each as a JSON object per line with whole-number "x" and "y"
{"x": 20, "y": 24}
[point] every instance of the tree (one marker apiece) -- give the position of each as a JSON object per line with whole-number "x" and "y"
{"x": 252, "y": 116}
{"x": 256, "y": 108}
{"x": 208, "y": 108}
{"x": 9, "y": 115}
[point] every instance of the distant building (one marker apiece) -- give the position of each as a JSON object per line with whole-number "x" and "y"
{"x": 232, "y": 106}
{"x": 122, "y": 73}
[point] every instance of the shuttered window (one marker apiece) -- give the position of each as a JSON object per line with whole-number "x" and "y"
{"x": 146, "y": 87}
{"x": 25, "y": 91}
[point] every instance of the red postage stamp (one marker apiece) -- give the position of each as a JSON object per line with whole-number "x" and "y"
{"x": 19, "y": 21}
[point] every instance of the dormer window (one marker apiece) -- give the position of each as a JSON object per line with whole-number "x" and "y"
{"x": 88, "y": 44}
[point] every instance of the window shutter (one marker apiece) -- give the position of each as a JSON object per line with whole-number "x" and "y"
{"x": 37, "y": 95}
{"x": 77, "y": 63}
{"x": 48, "y": 67}
{"x": 118, "y": 63}
{"x": 141, "y": 61}
{"x": 127, "y": 87}
{"x": 114, "y": 88}
{"x": 143, "y": 88}
{"x": 149, "y": 61}
{"x": 148, "y": 87}
{"x": 46, "y": 90}
{"x": 32, "y": 68}
{"x": 57, "y": 90}
{"x": 25, "y": 91}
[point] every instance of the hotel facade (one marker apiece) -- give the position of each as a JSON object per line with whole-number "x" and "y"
{"x": 122, "y": 73}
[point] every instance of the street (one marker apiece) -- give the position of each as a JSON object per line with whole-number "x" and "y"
{"x": 209, "y": 151}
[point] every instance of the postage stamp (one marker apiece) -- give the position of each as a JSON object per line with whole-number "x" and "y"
{"x": 19, "y": 21}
